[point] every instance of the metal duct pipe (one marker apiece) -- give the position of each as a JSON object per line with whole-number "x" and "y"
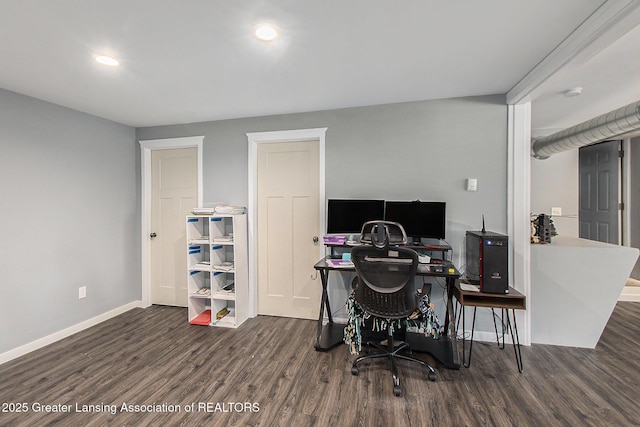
{"x": 617, "y": 123}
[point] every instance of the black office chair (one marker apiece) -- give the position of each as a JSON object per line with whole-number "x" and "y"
{"x": 386, "y": 290}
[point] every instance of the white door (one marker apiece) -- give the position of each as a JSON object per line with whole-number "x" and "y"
{"x": 174, "y": 193}
{"x": 288, "y": 226}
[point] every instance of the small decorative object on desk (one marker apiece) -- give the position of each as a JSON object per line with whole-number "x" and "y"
{"x": 542, "y": 229}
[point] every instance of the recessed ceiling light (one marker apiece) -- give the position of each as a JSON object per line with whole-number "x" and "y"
{"x": 107, "y": 60}
{"x": 573, "y": 92}
{"x": 266, "y": 32}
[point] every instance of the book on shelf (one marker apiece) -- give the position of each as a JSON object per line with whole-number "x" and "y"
{"x": 225, "y": 266}
{"x": 203, "y": 292}
{"x": 220, "y": 314}
{"x": 203, "y": 264}
{"x": 230, "y": 209}
{"x": 230, "y": 287}
{"x": 203, "y": 211}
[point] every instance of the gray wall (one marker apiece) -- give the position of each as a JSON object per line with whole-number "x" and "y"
{"x": 634, "y": 202}
{"x": 554, "y": 183}
{"x": 69, "y": 218}
{"x": 417, "y": 150}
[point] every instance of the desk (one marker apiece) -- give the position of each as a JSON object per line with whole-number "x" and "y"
{"x": 513, "y": 301}
{"x": 444, "y": 349}
{"x": 442, "y": 247}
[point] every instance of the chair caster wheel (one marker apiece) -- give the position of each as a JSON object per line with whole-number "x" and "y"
{"x": 354, "y": 371}
{"x": 397, "y": 390}
{"x": 432, "y": 376}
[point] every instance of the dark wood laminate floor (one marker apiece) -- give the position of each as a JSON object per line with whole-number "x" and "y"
{"x": 271, "y": 374}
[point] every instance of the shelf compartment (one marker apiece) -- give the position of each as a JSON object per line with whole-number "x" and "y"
{"x": 219, "y": 281}
{"x": 228, "y": 321}
{"x": 220, "y": 254}
{"x": 198, "y": 306}
{"x": 197, "y": 229}
{"x": 198, "y": 279}
{"x": 198, "y": 258}
{"x": 218, "y": 227}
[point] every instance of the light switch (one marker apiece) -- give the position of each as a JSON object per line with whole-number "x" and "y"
{"x": 556, "y": 211}
{"x": 472, "y": 184}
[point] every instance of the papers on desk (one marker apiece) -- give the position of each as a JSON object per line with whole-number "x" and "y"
{"x": 469, "y": 287}
{"x": 339, "y": 263}
{"x": 230, "y": 209}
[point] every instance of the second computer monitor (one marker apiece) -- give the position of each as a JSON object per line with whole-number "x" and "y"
{"x": 419, "y": 219}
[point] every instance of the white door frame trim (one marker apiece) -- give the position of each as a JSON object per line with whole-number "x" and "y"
{"x": 255, "y": 138}
{"x": 146, "y": 147}
{"x": 519, "y": 207}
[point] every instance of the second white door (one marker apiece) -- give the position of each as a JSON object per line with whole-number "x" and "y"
{"x": 288, "y": 228}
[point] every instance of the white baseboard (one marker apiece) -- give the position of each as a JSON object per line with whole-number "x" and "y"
{"x": 56, "y": 336}
{"x": 630, "y": 293}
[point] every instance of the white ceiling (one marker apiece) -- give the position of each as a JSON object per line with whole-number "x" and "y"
{"x": 610, "y": 80}
{"x": 197, "y": 60}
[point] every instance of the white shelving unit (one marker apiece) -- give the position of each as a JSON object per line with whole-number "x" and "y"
{"x": 218, "y": 269}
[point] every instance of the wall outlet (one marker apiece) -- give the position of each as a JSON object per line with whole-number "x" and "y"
{"x": 556, "y": 211}
{"x": 82, "y": 292}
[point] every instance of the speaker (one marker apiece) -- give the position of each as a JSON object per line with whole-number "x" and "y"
{"x": 487, "y": 258}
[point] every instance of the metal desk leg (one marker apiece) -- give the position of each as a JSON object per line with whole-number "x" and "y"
{"x": 473, "y": 327}
{"x": 449, "y": 310}
{"x": 323, "y": 279}
{"x": 515, "y": 339}
{"x": 495, "y": 328}
{"x": 450, "y": 325}
{"x": 331, "y": 334}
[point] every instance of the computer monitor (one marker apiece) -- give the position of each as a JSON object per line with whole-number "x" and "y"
{"x": 419, "y": 219}
{"x": 346, "y": 216}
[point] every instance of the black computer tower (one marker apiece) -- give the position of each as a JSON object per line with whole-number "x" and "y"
{"x": 487, "y": 260}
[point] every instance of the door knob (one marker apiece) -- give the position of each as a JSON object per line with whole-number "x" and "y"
{"x": 153, "y": 235}
{"x": 315, "y": 239}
